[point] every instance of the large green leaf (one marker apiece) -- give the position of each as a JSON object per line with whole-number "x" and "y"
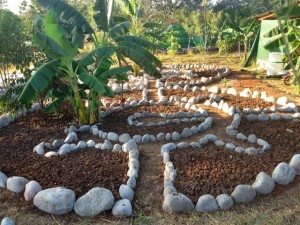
{"x": 68, "y": 14}
{"x": 142, "y": 51}
{"x": 113, "y": 72}
{"x": 92, "y": 82}
{"x": 120, "y": 29}
{"x": 54, "y": 31}
{"x": 97, "y": 53}
{"x": 285, "y": 26}
{"x": 55, "y": 104}
{"x": 137, "y": 40}
{"x": 105, "y": 62}
{"x": 39, "y": 81}
{"x": 103, "y": 16}
{"x": 289, "y": 11}
{"x": 48, "y": 45}
{"x": 139, "y": 58}
{"x": 279, "y": 41}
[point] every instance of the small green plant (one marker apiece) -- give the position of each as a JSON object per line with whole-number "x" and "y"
{"x": 224, "y": 81}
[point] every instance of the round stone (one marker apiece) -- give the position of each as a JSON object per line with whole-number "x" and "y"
{"x": 7, "y": 221}
{"x": 31, "y": 189}
{"x": 263, "y": 184}
{"x": 16, "y": 184}
{"x": 176, "y": 202}
{"x": 283, "y": 174}
{"x": 122, "y": 208}
{"x": 224, "y": 201}
{"x": 126, "y": 192}
{"x": 243, "y": 193}
{"x": 206, "y": 203}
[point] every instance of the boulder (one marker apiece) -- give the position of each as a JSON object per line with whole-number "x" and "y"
{"x": 206, "y": 203}
{"x": 176, "y": 202}
{"x": 123, "y": 138}
{"x": 283, "y": 174}
{"x": 126, "y": 192}
{"x": 112, "y": 136}
{"x": 55, "y": 201}
{"x": 224, "y": 201}
{"x": 122, "y": 208}
{"x": 31, "y": 189}
{"x": 129, "y": 145}
{"x": 243, "y": 193}
{"x": 94, "y": 202}
{"x": 263, "y": 184}
{"x": 16, "y": 184}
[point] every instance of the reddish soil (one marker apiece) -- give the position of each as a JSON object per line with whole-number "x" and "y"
{"x": 213, "y": 170}
{"x": 79, "y": 171}
{"x": 135, "y": 94}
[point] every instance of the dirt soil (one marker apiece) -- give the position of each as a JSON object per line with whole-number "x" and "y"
{"x": 202, "y": 171}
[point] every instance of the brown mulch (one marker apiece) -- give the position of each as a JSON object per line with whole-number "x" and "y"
{"x": 135, "y": 94}
{"x": 79, "y": 171}
{"x": 213, "y": 170}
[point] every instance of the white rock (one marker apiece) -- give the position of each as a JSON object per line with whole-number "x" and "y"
{"x": 126, "y": 192}
{"x": 3, "y": 180}
{"x": 129, "y": 146}
{"x": 81, "y": 145}
{"x": 7, "y": 221}
{"x": 263, "y": 184}
{"x": 295, "y": 163}
{"x": 206, "y": 203}
{"x": 215, "y": 89}
{"x": 177, "y": 202}
{"x": 224, "y": 201}
{"x": 112, "y": 136}
{"x": 283, "y": 174}
{"x": 123, "y": 138}
{"x": 107, "y": 145}
{"x": 50, "y": 154}
{"x": 40, "y": 148}
{"x": 232, "y": 91}
{"x": 16, "y": 184}
{"x": 282, "y": 101}
{"x": 96, "y": 201}
{"x": 55, "y": 201}
{"x": 243, "y": 193}
{"x": 122, "y": 208}
{"x": 31, "y": 189}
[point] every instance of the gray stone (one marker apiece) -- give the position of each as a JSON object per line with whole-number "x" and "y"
{"x": 203, "y": 141}
{"x": 16, "y": 184}
{"x": 241, "y": 137}
{"x": 180, "y": 114}
{"x": 4, "y": 121}
{"x": 112, "y": 136}
{"x": 206, "y": 203}
{"x": 195, "y": 144}
{"x": 219, "y": 143}
{"x": 261, "y": 142}
{"x": 239, "y": 149}
{"x": 182, "y": 145}
{"x": 230, "y": 146}
{"x": 131, "y": 182}
{"x": 175, "y": 136}
{"x": 137, "y": 138}
{"x": 57, "y": 143}
{"x": 263, "y": 184}
{"x": 176, "y": 202}
{"x": 160, "y": 136}
{"x": 146, "y": 138}
{"x": 263, "y": 117}
{"x": 40, "y": 148}
{"x": 123, "y": 138}
{"x": 117, "y": 148}
{"x": 295, "y": 163}
{"x": 96, "y": 201}
{"x": 55, "y": 201}
{"x": 31, "y": 189}
{"x": 65, "y": 149}
{"x": 129, "y": 146}
{"x": 126, "y": 192}
{"x": 107, "y": 145}
{"x": 152, "y": 138}
{"x": 7, "y": 221}
{"x": 169, "y": 190}
{"x": 98, "y": 146}
{"x": 251, "y": 151}
{"x": 48, "y": 145}
{"x": 72, "y": 128}
{"x": 168, "y": 136}
{"x": 81, "y": 145}
{"x": 224, "y": 201}
{"x": 283, "y": 174}
{"x": 90, "y": 143}
{"x": 266, "y": 147}
{"x": 252, "y": 117}
{"x": 243, "y": 193}
{"x": 122, "y": 208}
{"x": 3, "y": 180}
{"x": 211, "y": 137}
{"x": 252, "y": 138}
{"x": 187, "y": 132}
{"x": 84, "y": 128}
{"x": 95, "y": 131}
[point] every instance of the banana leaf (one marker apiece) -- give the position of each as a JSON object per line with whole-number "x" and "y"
{"x": 91, "y": 58}
{"x": 136, "y": 40}
{"x": 120, "y": 29}
{"x": 39, "y": 81}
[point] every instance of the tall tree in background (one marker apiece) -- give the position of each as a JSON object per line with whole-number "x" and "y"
{"x": 3, "y": 4}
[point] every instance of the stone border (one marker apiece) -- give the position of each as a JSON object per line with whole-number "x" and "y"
{"x": 175, "y": 202}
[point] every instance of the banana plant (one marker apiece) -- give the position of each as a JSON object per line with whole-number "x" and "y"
{"x": 287, "y": 35}
{"x": 68, "y": 79}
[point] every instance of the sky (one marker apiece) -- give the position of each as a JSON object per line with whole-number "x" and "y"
{"x": 13, "y": 5}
